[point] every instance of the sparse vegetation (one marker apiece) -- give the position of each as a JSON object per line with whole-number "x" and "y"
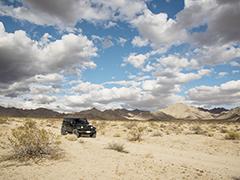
{"x": 224, "y": 130}
{"x": 153, "y": 125}
{"x": 157, "y": 133}
{"x": 130, "y": 125}
{"x": 71, "y": 137}
{"x": 29, "y": 141}
{"x": 81, "y": 141}
{"x": 100, "y": 125}
{"x": 3, "y": 120}
{"x": 135, "y": 134}
{"x": 117, "y": 147}
{"x": 197, "y": 130}
{"x": 232, "y": 135}
{"x": 117, "y": 135}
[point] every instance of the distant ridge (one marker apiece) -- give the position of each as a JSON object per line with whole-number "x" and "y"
{"x": 214, "y": 110}
{"x": 121, "y": 114}
{"x": 175, "y": 111}
{"x": 37, "y": 113}
{"x": 233, "y": 114}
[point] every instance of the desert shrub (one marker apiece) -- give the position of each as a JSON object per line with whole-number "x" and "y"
{"x": 101, "y": 125}
{"x": 29, "y": 141}
{"x": 149, "y": 130}
{"x": 130, "y": 125}
{"x": 115, "y": 124}
{"x": 3, "y": 121}
{"x": 153, "y": 125}
{"x": 135, "y": 134}
{"x": 232, "y": 135}
{"x": 157, "y": 133}
{"x": 224, "y": 130}
{"x": 163, "y": 126}
{"x": 116, "y": 135}
{"x": 197, "y": 130}
{"x": 117, "y": 147}
{"x": 81, "y": 141}
{"x": 210, "y": 134}
{"x": 71, "y": 137}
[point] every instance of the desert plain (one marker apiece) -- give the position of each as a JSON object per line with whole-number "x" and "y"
{"x": 155, "y": 150}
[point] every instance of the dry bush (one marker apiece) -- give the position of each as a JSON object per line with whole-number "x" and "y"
{"x": 163, "y": 126}
{"x": 210, "y": 134}
{"x": 117, "y": 147}
{"x": 213, "y": 126}
{"x": 115, "y": 124}
{"x": 30, "y": 142}
{"x": 81, "y": 141}
{"x": 4, "y": 121}
{"x": 71, "y": 137}
{"x": 223, "y": 130}
{"x": 232, "y": 135}
{"x": 157, "y": 133}
{"x": 197, "y": 130}
{"x": 153, "y": 125}
{"x": 135, "y": 134}
{"x": 149, "y": 130}
{"x": 101, "y": 126}
{"x": 130, "y": 125}
{"x": 117, "y": 135}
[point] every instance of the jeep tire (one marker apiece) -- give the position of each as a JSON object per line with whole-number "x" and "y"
{"x": 63, "y": 131}
{"x": 93, "y": 135}
{"x": 75, "y": 131}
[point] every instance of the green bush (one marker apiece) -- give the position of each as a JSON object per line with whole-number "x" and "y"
{"x": 29, "y": 141}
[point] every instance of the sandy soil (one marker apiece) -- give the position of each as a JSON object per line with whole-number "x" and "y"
{"x": 168, "y": 150}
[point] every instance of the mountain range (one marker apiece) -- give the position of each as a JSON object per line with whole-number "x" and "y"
{"x": 175, "y": 111}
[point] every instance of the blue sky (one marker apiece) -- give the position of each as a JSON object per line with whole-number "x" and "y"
{"x": 145, "y": 54}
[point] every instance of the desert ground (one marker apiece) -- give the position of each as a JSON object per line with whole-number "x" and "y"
{"x": 154, "y": 150}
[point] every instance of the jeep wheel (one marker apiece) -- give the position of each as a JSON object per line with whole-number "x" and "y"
{"x": 63, "y": 131}
{"x": 75, "y": 131}
{"x": 93, "y": 135}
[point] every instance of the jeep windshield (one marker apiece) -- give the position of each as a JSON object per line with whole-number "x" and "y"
{"x": 81, "y": 121}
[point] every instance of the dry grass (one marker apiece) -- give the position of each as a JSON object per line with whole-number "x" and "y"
{"x": 117, "y": 147}
{"x": 30, "y": 142}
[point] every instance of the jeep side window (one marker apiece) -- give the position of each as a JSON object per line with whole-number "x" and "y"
{"x": 73, "y": 121}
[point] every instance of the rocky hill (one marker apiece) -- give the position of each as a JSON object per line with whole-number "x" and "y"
{"x": 233, "y": 114}
{"x": 122, "y": 114}
{"x": 183, "y": 111}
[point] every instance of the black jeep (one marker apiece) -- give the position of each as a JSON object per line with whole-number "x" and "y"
{"x": 77, "y": 126}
